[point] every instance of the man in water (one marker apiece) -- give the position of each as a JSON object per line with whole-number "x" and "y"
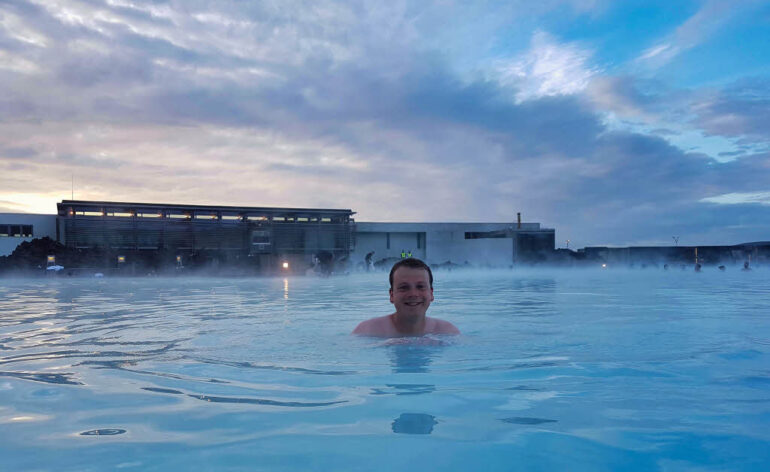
{"x": 411, "y": 291}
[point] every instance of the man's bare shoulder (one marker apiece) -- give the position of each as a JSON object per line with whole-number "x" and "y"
{"x": 382, "y": 326}
{"x": 379, "y": 326}
{"x": 437, "y": 326}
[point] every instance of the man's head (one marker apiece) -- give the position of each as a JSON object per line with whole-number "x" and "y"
{"x": 411, "y": 289}
{"x": 412, "y": 263}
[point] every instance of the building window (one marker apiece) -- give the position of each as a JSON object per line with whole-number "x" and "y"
{"x": 387, "y": 240}
{"x": 484, "y": 235}
{"x": 16, "y": 231}
{"x": 260, "y": 237}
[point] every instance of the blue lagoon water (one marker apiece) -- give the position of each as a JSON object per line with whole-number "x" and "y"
{"x": 556, "y": 370}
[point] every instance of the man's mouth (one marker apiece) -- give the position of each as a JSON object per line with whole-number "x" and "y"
{"x": 413, "y": 303}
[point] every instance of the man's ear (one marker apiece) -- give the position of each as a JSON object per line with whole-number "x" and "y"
{"x": 391, "y": 295}
{"x": 431, "y": 294}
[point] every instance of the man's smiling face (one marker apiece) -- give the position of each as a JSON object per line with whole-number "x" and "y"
{"x": 411, "y": 293}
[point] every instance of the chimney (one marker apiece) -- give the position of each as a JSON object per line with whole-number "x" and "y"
{"x": 518, "y": 219}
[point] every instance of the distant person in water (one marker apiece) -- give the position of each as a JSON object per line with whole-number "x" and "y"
{"x": 411, "y": 291}
{"x": 368, "y": 260}
{"x": 746, "y": 266}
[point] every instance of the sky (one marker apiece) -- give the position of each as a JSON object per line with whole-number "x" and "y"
{"x": 615, "y": 122}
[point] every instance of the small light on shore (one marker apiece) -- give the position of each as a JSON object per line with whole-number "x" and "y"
{"x": 285, "y": 265}
{"x": 604, "y": 266}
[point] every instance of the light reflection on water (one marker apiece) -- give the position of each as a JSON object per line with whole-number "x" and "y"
{"x": 566, "y": 370}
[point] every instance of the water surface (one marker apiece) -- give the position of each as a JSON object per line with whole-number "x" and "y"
{"x": 572, "y": 370}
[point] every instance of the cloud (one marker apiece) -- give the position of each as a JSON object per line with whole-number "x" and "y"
{"x": 547, "y": 68}
{"x": 725, "y": 122}
{"x": 357, "y": 105}
{"x": 710, "y": 19}
{"x": 762, "y": 198}
{"x": 17, "y": 152}
{"x": 628, "y": 97}
{"x": 10, "y": 207}
{"x": 740, "y": 110}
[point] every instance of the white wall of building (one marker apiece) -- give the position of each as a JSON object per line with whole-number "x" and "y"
{"x": 451, "y": 246}
{"x": 42, "y": 226}
{"x": 440, "y": 242}
{"x": 378, "y": 242}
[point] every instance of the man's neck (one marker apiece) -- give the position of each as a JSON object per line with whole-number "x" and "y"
{"x": 405, "y": 325}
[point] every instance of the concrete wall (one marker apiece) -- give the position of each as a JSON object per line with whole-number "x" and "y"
{"x": 440, "y": 242}
{"x": 451, "y": 246}
{"x": 42, "y": 226}
{"x": 378, "y": 242}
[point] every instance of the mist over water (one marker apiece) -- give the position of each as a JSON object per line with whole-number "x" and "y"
{"x": 577, "y": 369}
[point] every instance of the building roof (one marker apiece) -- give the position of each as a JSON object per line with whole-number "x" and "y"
{"x": 235, "y": 209}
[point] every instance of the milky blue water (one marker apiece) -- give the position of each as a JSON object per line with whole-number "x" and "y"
{"x": 574, "y": 370}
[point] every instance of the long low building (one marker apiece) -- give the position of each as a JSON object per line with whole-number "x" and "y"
{"x": 268, "y": 236}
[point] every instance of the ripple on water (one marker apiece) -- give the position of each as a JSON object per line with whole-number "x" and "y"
{"x": 526, "y": 420}
{"x": 103, "y": 432}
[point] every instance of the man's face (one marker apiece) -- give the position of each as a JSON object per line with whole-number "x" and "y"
{"x": 411, "y": 293}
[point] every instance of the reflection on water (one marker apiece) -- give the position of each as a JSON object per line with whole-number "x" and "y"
{"x": 64, "y": 378}
{"x": 414, "y": 423}
{"x": 411, "y": 358}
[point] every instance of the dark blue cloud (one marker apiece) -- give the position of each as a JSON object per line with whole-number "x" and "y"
{"x": 740, "y": 110}
{"x": 732, "y": 153}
